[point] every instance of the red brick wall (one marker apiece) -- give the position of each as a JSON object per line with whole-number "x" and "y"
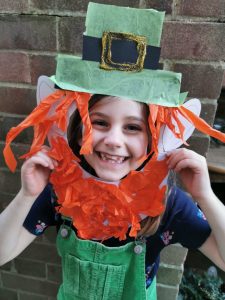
{"x": 31, "y": 34}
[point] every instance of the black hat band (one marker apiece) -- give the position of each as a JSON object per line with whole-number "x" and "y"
{"x": 123, "y": 52}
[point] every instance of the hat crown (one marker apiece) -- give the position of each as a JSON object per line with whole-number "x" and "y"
{"x": 143, "y": 22}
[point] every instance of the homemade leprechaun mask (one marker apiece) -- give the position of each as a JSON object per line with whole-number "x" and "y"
{"x": 101, "y": 209}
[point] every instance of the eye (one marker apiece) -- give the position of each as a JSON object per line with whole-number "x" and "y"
{"x": 99, "y": 123}
{"x": 133, "y": 127}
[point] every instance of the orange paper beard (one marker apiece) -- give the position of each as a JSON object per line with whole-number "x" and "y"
{"x": 102, "y": 210}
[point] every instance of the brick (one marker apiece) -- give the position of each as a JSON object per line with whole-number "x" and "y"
{"x": 202, "y": 81}
{"x": 28, "y": 32}
{"x": 6, "y": 198}
{"x": 169, "y": 275}
{"x": 43, "y": 5}
{"x": 14, "y": 67}
{"x": 30, "y": 268}
{"x": 208, "y": 112}
{"x": 50, "y": 235}
{"x": 28, "y": 284}
{"x": 224, "y": 80}
{"x": 9, "y": 121}
{"x": 193, "y": 41}
{"x": 199, "y": 144}
{"x": 201, "y": 8}
{"x": 7, "y": 294}
{"x": 74, "y": 6}
{"x": 161, "y": 5}
{"x": 15, "y": 100}
{"x": 165, "y": 292}
{"x": 11, "y": 6}
{"x": 41, "y": 65}
{"x": 173, "y": 255}
{"x": 70, "y": 34}
{"x": 54, "y": 273}
{"x": 9, "y": 182}
{"x": 7, "y": 266}
{"x": 41, "y": 252}
{"x": 82, "y": 5}
{"x": 29, "y": 296}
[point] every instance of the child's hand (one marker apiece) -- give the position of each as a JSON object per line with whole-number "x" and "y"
{"x": 193, "y": 172}
{"x": 35, "y": 173}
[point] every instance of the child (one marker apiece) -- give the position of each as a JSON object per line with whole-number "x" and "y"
{"x": 111, "y": 188}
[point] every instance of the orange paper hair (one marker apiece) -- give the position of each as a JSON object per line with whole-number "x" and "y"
{"x": 53, "y": 110}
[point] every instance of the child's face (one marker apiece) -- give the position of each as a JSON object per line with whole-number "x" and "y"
{"x": 120, "y": 137}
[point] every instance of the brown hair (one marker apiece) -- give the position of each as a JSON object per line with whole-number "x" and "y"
{"x": 150, "y": 224}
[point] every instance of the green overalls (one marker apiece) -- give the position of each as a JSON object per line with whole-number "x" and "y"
{"x": 92, "y": 271}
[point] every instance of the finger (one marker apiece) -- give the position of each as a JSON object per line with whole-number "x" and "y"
{"x": 46, "y": 158}
{"x": 52, "y": 162}
{"x": 41, "y": 159}
{"x": 180, "y": 154}
{"x": 174, "y": 157}
{"x": 187, "y": 163}
{"x": 55, "y": 163}
{"x": 45, "y": 148}
{"x": 34, "y": 161}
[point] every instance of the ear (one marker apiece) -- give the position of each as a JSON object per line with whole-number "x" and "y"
{"x": 167, "y": 140}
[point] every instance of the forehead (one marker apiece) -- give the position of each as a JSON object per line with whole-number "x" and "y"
{"x": 119, "y": 105}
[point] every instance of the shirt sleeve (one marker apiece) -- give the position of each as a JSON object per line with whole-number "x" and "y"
{"x": 42, "y": 213}
{"x": 187, "y": 222}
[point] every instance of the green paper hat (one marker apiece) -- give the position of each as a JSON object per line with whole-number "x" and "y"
{"x": 121, "y": 48}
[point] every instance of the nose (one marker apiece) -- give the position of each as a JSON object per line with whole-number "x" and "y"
{"x": 114, "y": 138}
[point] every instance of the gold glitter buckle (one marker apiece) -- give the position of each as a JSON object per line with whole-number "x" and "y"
{"x": 106, "y": 57}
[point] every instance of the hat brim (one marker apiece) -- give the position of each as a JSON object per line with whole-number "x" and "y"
{"x": 149, "y": 86}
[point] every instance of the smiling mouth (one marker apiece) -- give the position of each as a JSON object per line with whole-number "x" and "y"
{"x": 113, "y": 159}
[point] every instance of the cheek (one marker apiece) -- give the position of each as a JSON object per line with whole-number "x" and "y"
{"x": 139, "y": 145}
{"x": 96, "y": 137}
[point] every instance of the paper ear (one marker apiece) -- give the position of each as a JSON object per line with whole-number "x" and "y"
{"x": 45, "y": 87}
{"x": 167, "y": 140}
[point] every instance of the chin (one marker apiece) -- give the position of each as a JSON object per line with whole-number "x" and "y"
{"x": 110, "y": 177}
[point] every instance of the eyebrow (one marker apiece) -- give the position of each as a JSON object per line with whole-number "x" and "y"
{"x": 131, "y": 118}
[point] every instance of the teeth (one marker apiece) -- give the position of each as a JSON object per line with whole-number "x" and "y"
{"x": 112, "y": 158}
